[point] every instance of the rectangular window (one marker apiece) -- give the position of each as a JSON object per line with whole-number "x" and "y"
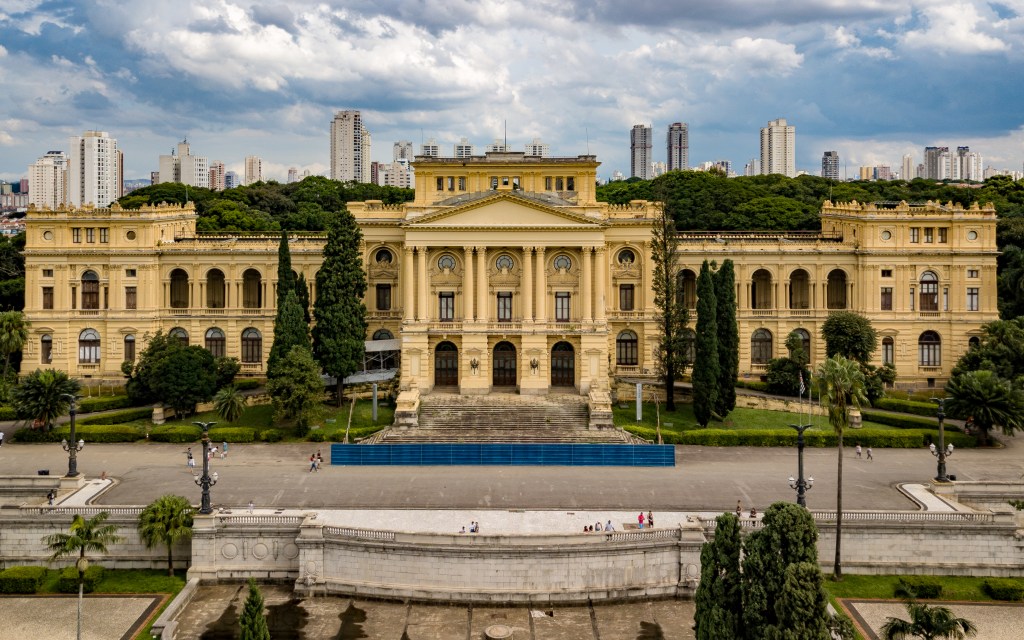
{"x": 129, "y": 348}
{"x": 929, "y": 233}
{"x": 547, "y": 183}
{"x": 559, "y": 186}
{"x": 971, "y": 273}
{"x": 945, "y": 298}
{"x": 561, "y": 306}
{"x": 972, "y": 298}
{"x": 570, "y": 184}
{"x": 886, "y": 299}
{"x": 90, "y": 235}
{"x": 46, "y": 350}
{"x": 74, "y": 297}
{"x": 886, "y": 273}
{"x": 446, "y": 306}
{"x": 47, "y": 297}
{"x": 47, "y": 273}
{"x": 911, "y": 298}
{"x": 505, "y": 306}
{"x": 451, "y": 183}
{"x": 130, "y": 299}
{"x": 104, "y": 234}
{"x": 625, "y": 297}
{"x": 440, "y": 184}
{"x": 943, "y": 234}
{"x": 76, "y": 234}
{"x": 462, "y": 183}
{"x": 915, "y": 234}
{"x": 129, "y": 273}
{"x": 888, "y": 348}
{"x": 383, "y": 297}
{"x": 494, "y": 183}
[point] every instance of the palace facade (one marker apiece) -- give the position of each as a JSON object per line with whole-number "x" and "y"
{"x": 506, "y": 273}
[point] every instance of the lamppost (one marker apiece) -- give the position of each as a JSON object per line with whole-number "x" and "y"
{"x": 72, "y": 447}
{"x": 800, "y": 484}
{"x": 942, "y": 451}
{"x": 206, "y": 481}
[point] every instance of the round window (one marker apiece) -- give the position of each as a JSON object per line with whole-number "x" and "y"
{"x": 887, "y": 235}
{"x": 972, "y": 235}
{"x": 446, "y": 262}
{"x": 383, "y": 256}
{"x": 47, "y": 235}
{"x": 626, "y": 256}
{"x": 504, "y": 262}
{"x": 130, "y": 235}
{"x": 563, "y": 262}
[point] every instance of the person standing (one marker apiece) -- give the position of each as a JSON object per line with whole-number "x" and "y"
{"x": 319, "y": 459}
{"x": 739, "y": 509}
{"x": 189, "y": 460}
{"x": 1, "y": 438}
{"x": 650, "y": 519}
{"x": 640, "y": 519}
{"x": 50, "y": 496}
{"x": 251, "y": 506}
{"x": 312, "y": 463}
{"x": 224, "y": 450}
{"x": 609, "y": 526}
{"x": 858, "y": 449}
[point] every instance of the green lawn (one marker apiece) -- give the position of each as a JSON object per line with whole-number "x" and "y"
{"x": 682, "y": 419}
{"x": 331, "y": 419}
{"x": 953, "y": 587}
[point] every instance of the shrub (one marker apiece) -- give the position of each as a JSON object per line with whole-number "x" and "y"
{"x": 317, "y": 436}
{"x": 88, "y": 405}
{"x": 248, "y": 384}
{"x": 22, "y": 579}
{"x": 120, "y": 417}
{"x": 1010, "y": 589}
{"x": 8, "y": 413}
{"x": 271, "y": 435}
{"x": 900, "y": 422}
{"x": 927, "y": 409}
{"x": 822, "y": 437}
{"x": 101, "y": 432}
{"x": 233, "y": 434}
{"x": 918, "y": 587}
{"x": 355, "y": 432}
{"x": 178, "y": 433}
{"x": 755, "y": 385}
{"x": 34, "y": 435}
{"x": 68, "y": 581}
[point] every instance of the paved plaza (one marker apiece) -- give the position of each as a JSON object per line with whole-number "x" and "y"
{"x": 104, "y": 617}
{"x": 995, "y": 621}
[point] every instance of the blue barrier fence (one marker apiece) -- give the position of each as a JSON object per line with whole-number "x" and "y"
{"x": 563, "y": 455}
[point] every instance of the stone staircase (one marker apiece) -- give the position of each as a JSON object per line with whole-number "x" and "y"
{"x": 503, "y": 418}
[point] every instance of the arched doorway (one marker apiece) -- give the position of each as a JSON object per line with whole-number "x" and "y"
{"x": 563, "y": 365}
{"x": 446, "y": 365}
{"x": 504, "y": 361}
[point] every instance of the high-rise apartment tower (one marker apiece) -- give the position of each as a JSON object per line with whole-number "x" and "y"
{"x": 830, "y": 165}
{"x": 640, "y": 151}
{"x": 94, "y": 169}
{"x": 778, "y": 143}
{"x": 678, "y": 146}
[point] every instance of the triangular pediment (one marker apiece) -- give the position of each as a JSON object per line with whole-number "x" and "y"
{"x": 505, "y": 210}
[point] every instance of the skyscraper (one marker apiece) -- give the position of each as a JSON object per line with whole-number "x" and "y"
{"x": 47, "y": 180}
{"x": 678, "y": 146}
{"x": 402, "y": 150}
{"x": 185, "y": 168}
{"x": 907, "y": 168}
{"x": 537, "y": 147}
{"x": 93, "y": 170}
{"x": 778, "y": 142}
{"x": 293, "y": 175}
{"x": 640, "y": 152}
{"x": 231, "y": 180}
{"x": 830, "y": 165}
{"x": 463, "y": 149}
{"x": 217, "y": 176}
{"x": 498, "y": 146}
{"x": 430, "y": 149}
{"x": 967, "y": 165}
{"x": 350, "y": 153}
{"x": 933, "y": 163}
{"x": 253, "y": 169}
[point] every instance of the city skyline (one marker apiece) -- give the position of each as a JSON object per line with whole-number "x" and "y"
{"x": 243, "y": 79}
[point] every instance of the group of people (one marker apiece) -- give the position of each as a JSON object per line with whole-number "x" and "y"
{"x": 739, "y": 510}
{"x": 649, "y": 521}
{"x": 211, "y": 453}
{"x": 597, "y": 527}
{"x": 474, "y": 527}
{"x": 315, "y": 461}
{"x": 859, "y": 451}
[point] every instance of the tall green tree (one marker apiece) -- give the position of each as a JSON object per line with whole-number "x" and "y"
{"x": 285, "y": 275}
{"x": 998, "y": 350}
{"x": 850, "y": 335}
{"x": 929, "y": 623}
{"x": 13, "y": 336}
{"x": 302, "y": 292}
{"x": 705, "y": 368}
{"x": 298, "y": 389}
{"x": 841, "y": 386}
{"x": 184, "y": 378}
{"x": 339, "y": 335}
{"x": 728, "y": 338}
{"x": 290, "y": 330}
{"x": 719, "y": 597}
{"x": 253, "y": 621}
{"x": 42, "y": 396}
{"x": 989, "y": 400}
{"x": 167, "y": 521}
{"x": 802, "y": 607}
{"x": 672, "y": 315}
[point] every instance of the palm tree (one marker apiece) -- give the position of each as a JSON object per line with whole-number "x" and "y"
{"x": 13, "y": 336}
{"x": 990, "y": 400}
{"x": 85, "y": 535}
{"x": 42, "y": 396}
{"x": 929, "y": 623}
{"x": 166, "y": 520}
{"x": 841, "y": 385}
{"x": 229, "y": 403}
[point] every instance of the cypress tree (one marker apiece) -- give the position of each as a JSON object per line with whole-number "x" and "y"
{"x": 719, "y": 596}
{"x": 290, "y": 330}
{"x": 339, "y": 334}
{"x": 705, "y": 369}
{"x": 253, "y": 622}
{"x": 285, "y": 275}
{"x": 302, "y": 292}
{"x": 672, "y": 315}
{"x": 802, "y": 608}
{"x": 728, "y": 338}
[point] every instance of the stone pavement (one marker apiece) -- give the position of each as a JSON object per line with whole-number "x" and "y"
{"x": 104, "y": 617}
{"x": 995, "y": 620}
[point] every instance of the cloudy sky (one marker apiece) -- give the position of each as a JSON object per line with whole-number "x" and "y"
{"x": 873, "y": 79}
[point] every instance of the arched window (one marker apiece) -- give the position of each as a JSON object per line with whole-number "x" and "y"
{"x": 252, "y": 289}
{"x": 179, "y": 289}
{"x": 215, "y": 342}
{"x": 252, "y": 346}
{"x": 383, "y": 334}
{"x": 90, "y": 290}
{"x": 215, "y": 289}
{"x": 690, "y": 346}
{"x": 835, "y": 291}
{"x": 929, "y": 349}
{"x": 626, "y": 351}
{"x": 446, "y": 262}
{"x": 761, "y": 347}
{"x": 129, "y": 348}
{"x": 46, "y": 349}
{"x": 799, "y": 290}
{"x": 974, "y": 342}
{"x": 383, "y": 256}
{"x": 929, "y": 291}
{"x": 686, "y": 289}
{"x": 888, "y": 350}
{"x": 180, "y": 335}
{"x": 627, "y": 257}
{"x": 761, "y": 290}
{"x": 89, "y": 347}
{"x": 504, "y": 262}
{"x": 563, "y": 263}
{"x": 805, "y": 343}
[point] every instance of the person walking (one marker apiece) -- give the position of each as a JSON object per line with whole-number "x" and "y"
{"x": 870, "y": 457}
{"x": 190, "y": 461}
{"x": 50, "y": 496}
{"x": 319, "y": 459}
{"x": 650, "y": 519}
{"x": 312, "y": 463}
{"x": 640, "y": 519}
{"x": 858, "y": 449}
{"x": 224, "y": 450}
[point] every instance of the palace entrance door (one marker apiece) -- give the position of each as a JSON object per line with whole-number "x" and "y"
{"x": 446, "y": 365}
{"x": 504, "y": 364}
{"x": 563, "y": 365}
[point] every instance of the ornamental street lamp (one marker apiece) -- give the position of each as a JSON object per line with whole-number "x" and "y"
{"x": 942, "y": 451}
{"x": 71, "y": 446}
{"x": 801, "y": 485}
{"x": 205, "y": 481}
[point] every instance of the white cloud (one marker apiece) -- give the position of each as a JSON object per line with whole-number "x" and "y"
{"x": 953, "y": 29}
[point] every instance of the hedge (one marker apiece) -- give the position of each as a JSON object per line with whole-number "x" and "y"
{"x": 68, "y": 581}
{"x": 247, "y": 384}
{"x": 918, "y": 587}
{"x": 119, "y": 417}
{"x": 100, "y": 403}
{"x": 101, "y": 432}
{"x": 22, "y": 579}
{"x": 926, "y": 409}
{"x": 34, "y": 435}
{"x": 233, "y": 434}
{"x": 271, "y": 435}
{"x": 902, "y": 421}
{"x": 8, "y": 413}
{"x": 881, "y": 438}
{"x": 1009, "y": 589}
{"x": 355, "y": 432}
{"x": 178, "y": 433}
{"x": 755, "y": 385}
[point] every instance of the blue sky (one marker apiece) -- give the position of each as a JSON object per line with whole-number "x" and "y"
{"x": 873, "y": 79}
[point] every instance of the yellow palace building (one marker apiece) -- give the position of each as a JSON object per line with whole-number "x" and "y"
{"x": 506, "y": 273}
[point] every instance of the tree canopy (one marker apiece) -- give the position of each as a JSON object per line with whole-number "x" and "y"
{"x": 850, "y": 335}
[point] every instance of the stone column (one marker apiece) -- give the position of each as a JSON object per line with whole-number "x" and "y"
{"x": 481, "y": 300}
{"x": 588, "y": 284}
{"x": 542, "y": 286}
{"x": 527, "y": 285}
{"x": 748, "y": 303}
{"x": 408, "y": 289}
{"x": 785, "y": 302}
{"x": 421, "y": 284}
{"x": 601, "y": 313}
{"x": 467, "y": 286}
{"x": 202, "y": 294}
{"x": 648, "y": 281}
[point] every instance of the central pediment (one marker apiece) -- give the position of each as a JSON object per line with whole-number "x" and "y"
{"x": 504, "y": 210}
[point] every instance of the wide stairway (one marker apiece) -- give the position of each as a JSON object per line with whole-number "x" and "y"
{"x": 503, "y": 418}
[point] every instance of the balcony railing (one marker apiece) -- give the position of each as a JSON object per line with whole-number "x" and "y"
{"x": 763, "y": 313}
{"x": 252, "y": 367}
{"x": 203, "y": 312}
{"x": 626, "y": 315}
